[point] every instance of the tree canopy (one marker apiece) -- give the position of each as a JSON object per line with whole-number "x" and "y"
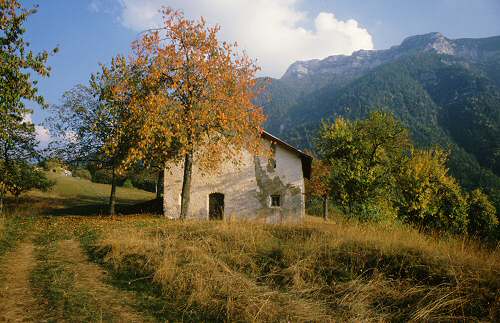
{"x": 194, "y": 97}
{"x": 375, "y": 171}
{"x": 18, "y": 65}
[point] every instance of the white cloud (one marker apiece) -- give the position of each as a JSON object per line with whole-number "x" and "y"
{"x": 269, "y": 30}
{"x": 42, "y": 133}
{"x": 95, "y": 6}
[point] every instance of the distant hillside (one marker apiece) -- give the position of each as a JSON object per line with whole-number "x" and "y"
{"x": 446, "y": 91}
{"x": 77, "y": 196}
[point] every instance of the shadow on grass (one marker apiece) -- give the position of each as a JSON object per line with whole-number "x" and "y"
{"x": 149, "y": 295}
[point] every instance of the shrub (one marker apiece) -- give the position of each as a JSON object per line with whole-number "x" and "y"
{"x": 103, "y": 176}
{"x": 82, "y": 173}
{"x": 21, "y": 177}
{"x": 128, "y": 183}
{"x": 428, "y": 197}
{"x": 482, "y": 215}
{"x": 53, "y": 165}
{"x": 144, "y": 179}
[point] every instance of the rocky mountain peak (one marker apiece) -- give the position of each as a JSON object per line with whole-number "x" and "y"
{"x": 300, "y": 69}
{"x": 435, "y": 41}
{"x": 363, "y": 60}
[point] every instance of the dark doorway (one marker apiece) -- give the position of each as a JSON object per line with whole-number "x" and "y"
{"x": 216, "y": 206}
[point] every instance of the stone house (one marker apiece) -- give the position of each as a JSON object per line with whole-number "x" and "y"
{"x": 271, "y": 189}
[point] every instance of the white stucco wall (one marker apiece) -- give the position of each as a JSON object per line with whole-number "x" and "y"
{"x": 246, "y": 188}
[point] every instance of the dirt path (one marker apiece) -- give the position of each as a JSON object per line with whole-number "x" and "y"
{"x": 18, "y": 303}
{"x": 91, "y": 278}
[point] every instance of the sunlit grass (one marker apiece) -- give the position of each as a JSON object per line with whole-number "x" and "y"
{"x": 313, "y": 271}
{"x": 68, "y": 187}
{"x": 320, "y": 271}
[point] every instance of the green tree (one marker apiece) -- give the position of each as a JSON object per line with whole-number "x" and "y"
{"x": 17, "y": 66}
{"x": 482, "y": 214}
{"x": 364, "y": 157}
{"x": 26, "y": 177}
{"x": 376, "y": 172}
{"x": 89, "y": 122}
{"x": 428, "y": 196}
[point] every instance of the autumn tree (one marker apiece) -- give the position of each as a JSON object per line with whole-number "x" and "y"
{"x": 198, "y": 102}
{"x": 18, "y": 64}
{"x": 319, "y": 186}
{"x": 146, "y": 91}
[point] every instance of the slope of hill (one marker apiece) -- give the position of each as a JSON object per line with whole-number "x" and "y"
{"x": 78, "y": 188}
{"x": 77, "y": 196}
{"x": 446, "y": 91}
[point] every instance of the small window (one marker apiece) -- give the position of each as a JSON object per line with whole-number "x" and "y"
{"x": 275, "y": 200}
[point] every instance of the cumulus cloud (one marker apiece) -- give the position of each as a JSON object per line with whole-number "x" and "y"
{"x": 272, "y": 31}
{"x": 42, "y": 133}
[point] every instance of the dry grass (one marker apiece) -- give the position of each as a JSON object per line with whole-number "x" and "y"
{"x": 220, "y": 271}
{"x": 18, "y": 303}
{"x": 305, "y": 272}
{"x": 2, "y": 227}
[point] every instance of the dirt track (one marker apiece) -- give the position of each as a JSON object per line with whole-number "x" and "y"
{"x": 18, "y": 303}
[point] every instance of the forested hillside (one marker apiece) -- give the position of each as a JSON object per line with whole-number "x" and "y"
{"x": 446, "y": 91}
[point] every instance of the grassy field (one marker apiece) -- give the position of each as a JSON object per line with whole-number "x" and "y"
{"x": 68, "y": 187}
{"x": 76, "y": 196}
{"x": 145, "y": 268}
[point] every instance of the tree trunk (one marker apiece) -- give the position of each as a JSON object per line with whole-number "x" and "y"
{"x": 186, "y": 185}
{"x": 325, "y": 207}
{"x": 112, "y": 197}
{"x": 159, "y": 185}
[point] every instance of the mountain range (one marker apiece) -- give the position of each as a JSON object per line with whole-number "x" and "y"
{"x": 446, "y": 91}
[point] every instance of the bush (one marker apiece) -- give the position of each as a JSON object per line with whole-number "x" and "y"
{"x": 52, "y": 165}
{"x": 22, "y": 177}
{"x": 82, "y": 173}
{"x": 482, "y": 215}
{"x": 379, "y": 211}
{"x": 428, "y": 197}
{"x": 128, "y": 183}
{"x": 102, "y": 176}
{"x": 144, "y": 182}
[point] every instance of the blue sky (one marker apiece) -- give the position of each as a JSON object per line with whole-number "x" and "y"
{"x": 276, "y": 32}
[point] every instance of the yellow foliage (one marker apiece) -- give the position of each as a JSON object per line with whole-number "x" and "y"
{"x": 187, "y": 93}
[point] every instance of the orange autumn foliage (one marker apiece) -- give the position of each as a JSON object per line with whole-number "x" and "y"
{"x": 191, "y": 96}
{"x": 319, "y": 183}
